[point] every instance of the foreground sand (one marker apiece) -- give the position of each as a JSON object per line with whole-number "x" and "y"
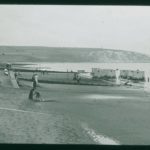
{"x": 119, "y": 113}
{"x": 20, "y": 121}
{"x": 25, "y": 121}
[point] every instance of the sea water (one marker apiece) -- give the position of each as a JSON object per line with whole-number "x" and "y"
{"x": 88, "y": 66}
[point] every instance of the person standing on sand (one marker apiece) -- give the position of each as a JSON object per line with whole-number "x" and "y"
{"x": 16, "y": 74}
{"x": 31, "y": 94}
{"x": 35, "y": 80}
{"x": 34, "y": 84}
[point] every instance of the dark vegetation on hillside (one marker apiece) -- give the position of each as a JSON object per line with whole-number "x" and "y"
{"x": 51, "y": 54}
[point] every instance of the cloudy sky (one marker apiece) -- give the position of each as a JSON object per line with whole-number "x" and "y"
{"x": 115, "y": 27}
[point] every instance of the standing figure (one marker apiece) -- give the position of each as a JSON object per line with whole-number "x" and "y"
{"x": 16, "y": 74}
{"x": 118, "y": 77}
{"x": 35, "y": 80}
{"x": 34, "y": 84}
{"x": 31, "y": 94}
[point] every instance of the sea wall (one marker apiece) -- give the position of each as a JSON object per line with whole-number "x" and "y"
{"x": 49, "y": 75}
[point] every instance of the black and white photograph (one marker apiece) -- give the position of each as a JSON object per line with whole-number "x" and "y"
{"x": 75, "y": 74}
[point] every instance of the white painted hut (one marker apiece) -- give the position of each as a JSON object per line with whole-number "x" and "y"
{"x": 97, "y": 72}
{"x": 132, "y": 74}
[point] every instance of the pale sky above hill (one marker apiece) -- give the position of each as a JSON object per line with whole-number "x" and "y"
{"x": 115, "y": 27}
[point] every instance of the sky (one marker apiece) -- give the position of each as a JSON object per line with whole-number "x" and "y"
{"x": 112, "y": 27}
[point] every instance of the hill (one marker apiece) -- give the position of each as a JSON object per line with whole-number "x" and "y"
{"x": 54, "y": 54}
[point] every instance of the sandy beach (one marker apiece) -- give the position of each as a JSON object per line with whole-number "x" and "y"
{"x": 76, "y": 114}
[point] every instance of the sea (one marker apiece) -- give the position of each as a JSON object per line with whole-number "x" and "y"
{"x": 88, "y": 66}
